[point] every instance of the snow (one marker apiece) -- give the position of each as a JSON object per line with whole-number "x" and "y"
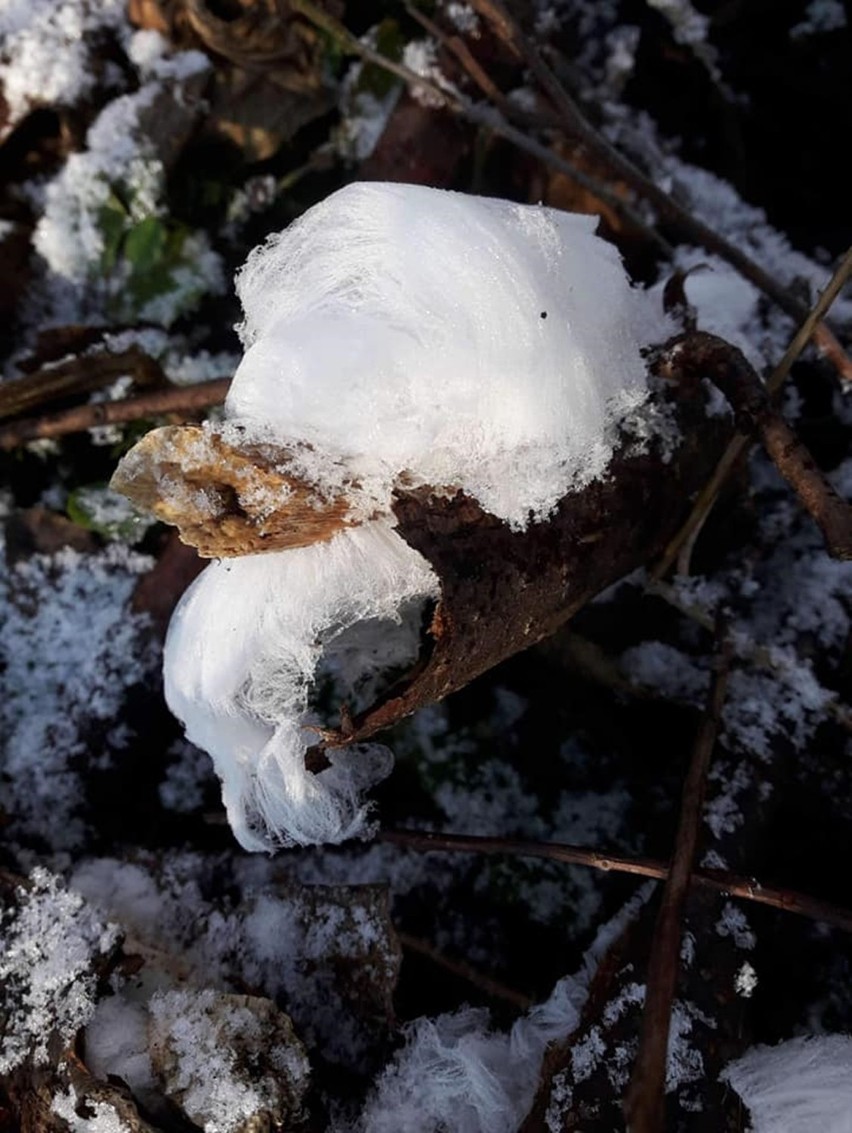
{"x": 228, "y": 1062}
{"x": 48, "y": 50}
{"x": 464, "y": 341}
{"x": 800, "y": 1086}
{"x": 97, "y": 1116}
{"x": 70, "y": 649}
{"x": 48, "y": 945}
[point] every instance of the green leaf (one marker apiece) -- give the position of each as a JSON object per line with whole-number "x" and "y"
{"x": 146, "y": 244}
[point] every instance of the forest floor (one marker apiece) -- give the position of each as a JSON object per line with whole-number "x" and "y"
{"x": 154, "y": 976}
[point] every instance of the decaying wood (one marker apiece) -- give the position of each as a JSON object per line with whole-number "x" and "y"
{"x": 501, "y": 590}
{"x": 226, "y": 500}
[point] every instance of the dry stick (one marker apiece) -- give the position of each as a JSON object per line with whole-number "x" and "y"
{"x": 643, "y": 1103}
{"x": 79, "y": 374}
{"x": 728, "y": 368}
{"x": 463, "y": 970}
{"x": 481, "y": 116}
{"x": 731, "y": 884}
{"x": 177, "y": 399}
{"x": 740, "y": 445}
{"x": 577, "y": 125}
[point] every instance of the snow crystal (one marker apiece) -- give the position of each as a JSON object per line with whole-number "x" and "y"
{"x": 745, "y": 980}
{"x": 798, "y": 1087}
{"x": 152, "y": 55}
{"x": 688, "y": 25}
{"x": 820, "y": 16}
{"x": 47, "y": 948}
{"x": 463, "y": 18}
{"x": 733, "y": 923}
{"x": 421, "y": 57}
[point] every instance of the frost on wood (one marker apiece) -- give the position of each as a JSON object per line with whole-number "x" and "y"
{"x": 461, "y": 341}
{"x": 49, "y": 945}
{"x": 241, "y": 664}
{"x": 399, "y": 339}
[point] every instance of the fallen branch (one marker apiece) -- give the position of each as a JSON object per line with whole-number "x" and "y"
{"x": 176, "y": 399}
{"x": 643, "y": 1103}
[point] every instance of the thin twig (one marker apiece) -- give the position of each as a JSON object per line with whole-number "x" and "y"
{"x": 701, "y": 354}
{"x": 815, "y": 316}
{"x": 460, "y": 968}
{"x": 482, "y": 116}
{"x": 643, "y": 1102}
{"x": 576, "y": 125}
{"x": 731, "y": 884}
{"x": 739, "y": 446}
{"x": 734, "y": 455}
{"x": 176, "y": 399}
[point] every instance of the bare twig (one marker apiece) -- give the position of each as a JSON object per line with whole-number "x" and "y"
{"x": 176, "y": 399}
{"x": 736, "y": 451}
{"x": 806, "y": 331}
{"x": 643, "y": 1103}
{"x": 712, "y": 357}
{"x": 460, "y": 968}
{"x": 722, "y": 881}
{"x": 482, "y": 116}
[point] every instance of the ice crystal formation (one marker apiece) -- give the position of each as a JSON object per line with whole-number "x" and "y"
{"x": 394, "y": 334}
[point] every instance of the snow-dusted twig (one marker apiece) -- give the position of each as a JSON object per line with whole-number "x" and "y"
{"x": 177, "y": 399}
{"x": 643, "y": 1103}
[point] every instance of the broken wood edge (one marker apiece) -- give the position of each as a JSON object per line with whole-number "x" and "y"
{"x": 226, "y": 499}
